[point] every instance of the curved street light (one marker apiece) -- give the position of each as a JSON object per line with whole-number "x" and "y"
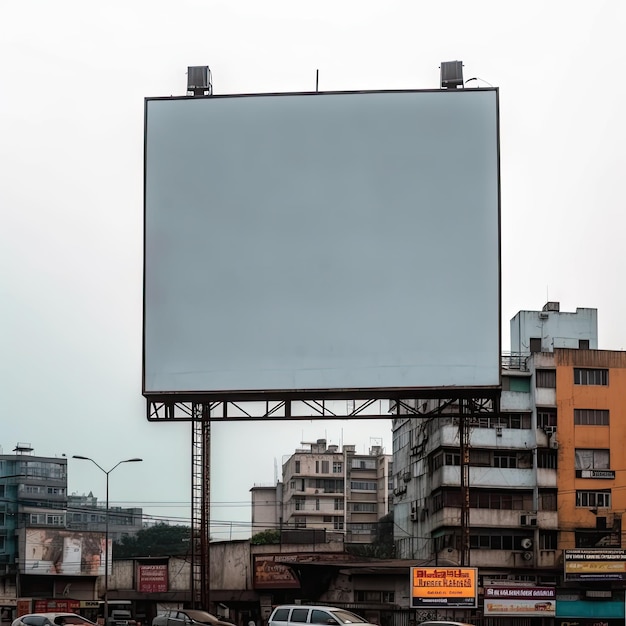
{"x": 106, "y": 527}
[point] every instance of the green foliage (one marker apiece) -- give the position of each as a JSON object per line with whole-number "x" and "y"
{"x": 265, "y": 537}
{"x": 158, "y": 540}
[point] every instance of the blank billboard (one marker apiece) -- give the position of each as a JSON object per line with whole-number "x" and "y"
{"x": 298, "y": 245}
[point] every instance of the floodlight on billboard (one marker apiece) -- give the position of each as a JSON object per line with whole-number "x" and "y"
{"x": 321, "y": 245}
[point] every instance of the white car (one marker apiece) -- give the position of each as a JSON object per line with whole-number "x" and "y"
{"x": 303, "y": 615}
{"x": 52, "y": 619}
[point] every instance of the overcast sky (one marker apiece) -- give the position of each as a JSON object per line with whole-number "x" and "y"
{"x": 73, "y": 78}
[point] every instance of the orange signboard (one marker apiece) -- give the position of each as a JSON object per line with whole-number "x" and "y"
{"x": 444, "y": 587}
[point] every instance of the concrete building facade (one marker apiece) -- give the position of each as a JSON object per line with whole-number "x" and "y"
{"x": 552, "y": 430}
{"x": 326, "y": 488}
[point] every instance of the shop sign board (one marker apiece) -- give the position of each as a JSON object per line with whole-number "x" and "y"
{"x": 433, "y": 587}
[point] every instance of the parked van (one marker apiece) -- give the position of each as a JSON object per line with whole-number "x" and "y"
{"x": 300, "y": 614}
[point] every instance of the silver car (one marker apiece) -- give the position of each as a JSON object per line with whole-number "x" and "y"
{"x": 188, "y": 617}
{"x": 52, "y": 619}
{"x": 303, "y": 615}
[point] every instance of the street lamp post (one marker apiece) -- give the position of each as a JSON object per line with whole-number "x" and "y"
{"x": 106, "y": 527}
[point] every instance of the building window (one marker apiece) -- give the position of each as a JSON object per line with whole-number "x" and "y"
{"x": 317, "y": 504}
{"x": 504, "y": 420}
{"x": 495, "y": 542}
{"x": 364, "y": 507}
{"x": 546, "y": 459}
{"x": 364, "y": 464}
{"x": 363, "y": 485}
{"x": 337, "y": 467}
{"x": 387, "y": 597}
{"x": 505, "y": 459}
{"x": 480, "y": 457}
{"x": 547, "y": 500}
{"x": 592, "y": 459}
{"x": 520, "y": 384}
{"x": 583, "y": 344}
{"x": 338, "y": 523}
{"x": 2, "y": 522}
{"x": 300, "y": 522}
{"x": 338, "y": 504}
{"x": 329, "y": 485}
{"x": 589, "y": 376}
{"x": 535, "y": 344}
{"x": 594, "y": 499}
{"x": 547, "y": 540}
{"x": 367, "y": 596}
{"x": 297, "y": 468}
{"x": 299, "y": 504}
{"x": 546, "y": 417}
{"x": 508, "y": 501}
{"x": 546, "y": 379}
{"x": 591, "y": 417}
{"x": 328, "y": 519}
{"x": 322, "y": 467}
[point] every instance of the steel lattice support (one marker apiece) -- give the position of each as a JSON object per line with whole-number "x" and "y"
{"x": 200, "y": 505}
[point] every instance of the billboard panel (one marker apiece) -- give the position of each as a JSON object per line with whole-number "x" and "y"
{"x": 306, "y": 244}
{"x": 152, "y": 578}
{"x": 520, "y": 601}
{"x": 53, "y": 551}
{"x": 439, "y": 587}
{"x": 605, "y": 564}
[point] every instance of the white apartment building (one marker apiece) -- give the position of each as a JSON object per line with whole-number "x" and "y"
{"x": 331, "y": 489}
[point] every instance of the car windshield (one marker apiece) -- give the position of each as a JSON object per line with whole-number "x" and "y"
{"x": 345, "y": 617}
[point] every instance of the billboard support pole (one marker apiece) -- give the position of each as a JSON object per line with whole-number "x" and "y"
{"x": 464, "y": 437}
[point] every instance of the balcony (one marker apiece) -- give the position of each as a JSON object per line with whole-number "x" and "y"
{"x": 494, "y": 477}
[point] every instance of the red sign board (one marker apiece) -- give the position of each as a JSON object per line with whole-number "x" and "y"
{"x": 152, "y": 578}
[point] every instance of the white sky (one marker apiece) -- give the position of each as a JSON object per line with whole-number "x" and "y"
{"x": 73, "y": 78}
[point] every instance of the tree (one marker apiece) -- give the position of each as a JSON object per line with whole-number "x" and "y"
{"x": 265, "y": 537}
{"x": 159, "y": 540}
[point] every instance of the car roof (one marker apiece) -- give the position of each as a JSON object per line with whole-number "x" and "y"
{"x": 60, "y": 614}
{"x": 444, "y": 621}
{"x": 311, "y": 606}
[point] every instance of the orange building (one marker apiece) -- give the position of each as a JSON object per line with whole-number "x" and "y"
{"x": 591, "y": 435}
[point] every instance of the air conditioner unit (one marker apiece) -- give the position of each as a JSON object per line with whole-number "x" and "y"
{"x": 413, "y": 516}
{"x": 549, "y": 430}
{"x": 527, "y": 520}
{"x": 527, "y": 543}
{"x": 527, "y": 556}
{"x": 554, "y": 444}
{"x": 498, "y": 431}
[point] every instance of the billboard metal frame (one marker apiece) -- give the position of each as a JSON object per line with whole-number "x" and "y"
{"x": 228, "y": 404}
{"x": 204, "y": 408}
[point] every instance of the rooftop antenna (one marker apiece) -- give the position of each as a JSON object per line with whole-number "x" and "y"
{"x": 317, "y": 81}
